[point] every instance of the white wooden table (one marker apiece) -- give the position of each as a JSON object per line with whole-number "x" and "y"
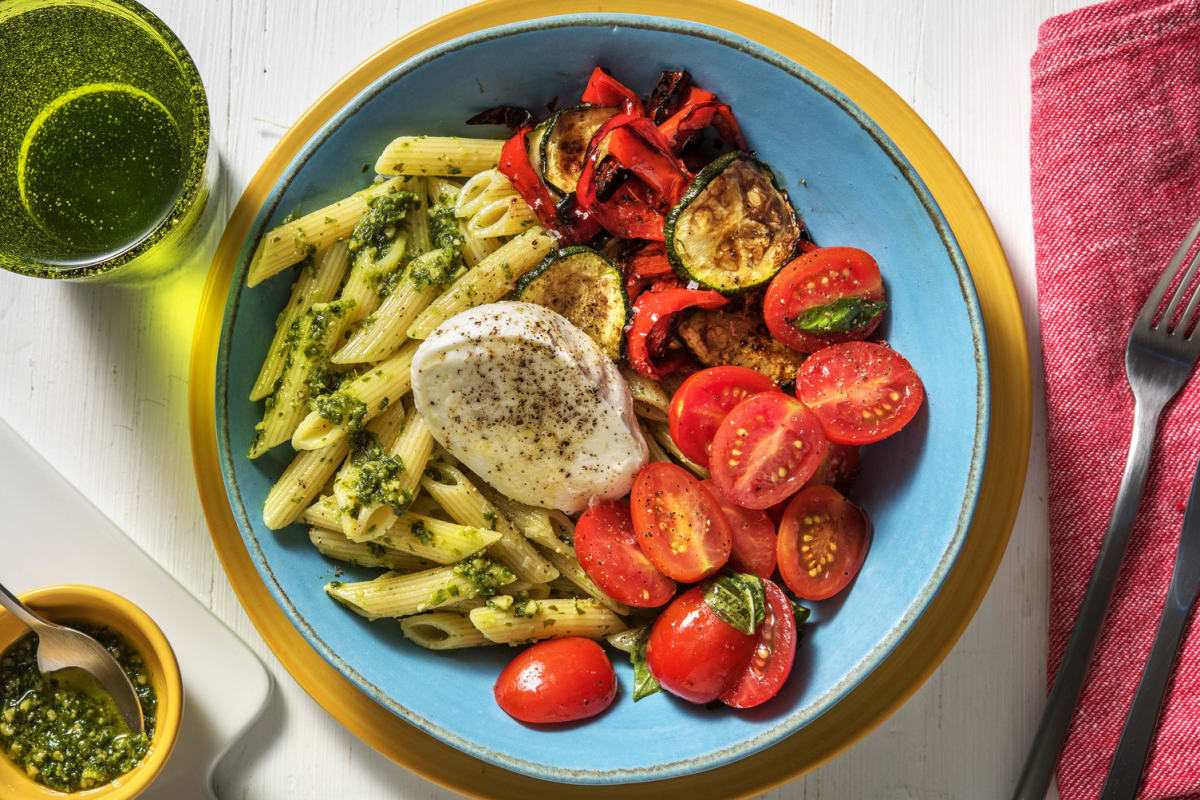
{"x": 96, "y": 378}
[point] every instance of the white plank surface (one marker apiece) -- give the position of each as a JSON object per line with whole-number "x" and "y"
{"x": 96, "y": 378}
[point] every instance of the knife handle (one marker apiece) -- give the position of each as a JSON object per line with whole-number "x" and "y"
{"x": 1125, "y": 771}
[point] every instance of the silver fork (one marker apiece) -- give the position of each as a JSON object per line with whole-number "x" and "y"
{"x": 1159, "y": 358}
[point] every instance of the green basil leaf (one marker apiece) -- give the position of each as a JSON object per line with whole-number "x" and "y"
{"x": 738, "y": 599}
{"x": 842, "y": 315}
{"x": 801, "y": 613}
{"x": 644, "y": 684}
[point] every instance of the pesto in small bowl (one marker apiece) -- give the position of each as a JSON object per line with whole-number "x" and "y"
{"x": 62, "y": 729}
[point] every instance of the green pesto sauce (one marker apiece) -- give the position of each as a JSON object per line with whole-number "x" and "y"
{"x": 339, "y": 408}
{"x": 379, "y": 226}
{"x": 486, "y": 576}
{"x": 437, "y": 269}
{"x": 65, "y": 732}
{"x": 377, "y": 477}
{"x": 423, "y": 534}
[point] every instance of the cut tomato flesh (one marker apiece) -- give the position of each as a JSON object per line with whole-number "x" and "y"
{"x": 609, "y": 553}
{"x": 862, "y": 392}
{"x": 774, "y": 653}
{"x": 765, "y": 450}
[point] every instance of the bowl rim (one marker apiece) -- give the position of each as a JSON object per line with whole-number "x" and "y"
{"x": 73, "y": 601}
{"x": 787, "y": 723}
{"x": 1005, "y": 465}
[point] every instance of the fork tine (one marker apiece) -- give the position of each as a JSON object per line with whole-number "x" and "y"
{"x": 1188, "y": 313}
{"x": 1146, "y": 317}
{"x": 1181, "y": 293}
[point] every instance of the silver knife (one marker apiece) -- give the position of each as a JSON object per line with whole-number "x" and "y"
{"x": 1125, "y": 771}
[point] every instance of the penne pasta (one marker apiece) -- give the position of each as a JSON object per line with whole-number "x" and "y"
{"x": 504, "y": 217}
{"x": 406, "y": 462}
{"x": 657, "y": 453}
{"x": 662, "y": 433}
{"x": 532, "y": 522}
{"x": 442, "y": 630}
{"x": 438, "y": 155}
{"x": 318, "y": 282}
{"x": 356, "y": 402}
{"x": 291, "y": 242}
{"x": 310, "y": 338}
{"x": 533, "y": 620}
{"x": 482, "y": 190}
{"x": 395, "y": 595}
{"x": 369, "y": 468}
{"x": 467, "y": 505}
{"x": 435, "y": 539}
{"x": 487, "y": 281}
{"x": 300, "y": 483}
{"x": 333, "y": 544}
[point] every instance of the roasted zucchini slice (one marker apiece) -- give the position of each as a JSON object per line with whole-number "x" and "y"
{"x": 587, "y": 289}
{"x": 718, "y": 337}
{"x": 533, "y": 146}
{"x": 733, "y": 229}
{"x": 565, "y": 142}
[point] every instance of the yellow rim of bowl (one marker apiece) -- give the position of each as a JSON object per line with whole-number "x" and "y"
{"x": 931, "y": 637}
{"x": 135, "y": 625}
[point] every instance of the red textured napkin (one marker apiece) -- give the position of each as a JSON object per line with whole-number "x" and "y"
{"x": 1115, "y": 152}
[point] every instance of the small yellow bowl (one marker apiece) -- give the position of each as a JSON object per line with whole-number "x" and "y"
{"x": 72, "y": 603}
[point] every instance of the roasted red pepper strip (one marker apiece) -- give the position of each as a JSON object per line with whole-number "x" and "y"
{"x": 644, "y": 266}
{"x": 641, "y": 149}
{"x": 690, "y": 119}
{"x": 652, "y": 316}
{"x": 629, "y": 213}
{"x": 605, "y": 90}
{"x": 514, "y": 165}
{"x": 699, "y": 110}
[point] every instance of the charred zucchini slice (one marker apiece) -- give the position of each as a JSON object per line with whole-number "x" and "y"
{"x": 533, "y": 146}
{"x": 586, "y": 288}
{"x": 565, "y": 143}
{"x": 718, "y": 337}
{"x": 733, "y": 229}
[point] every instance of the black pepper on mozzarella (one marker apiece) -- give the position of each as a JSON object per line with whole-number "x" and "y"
{"x": 530, "y": 404}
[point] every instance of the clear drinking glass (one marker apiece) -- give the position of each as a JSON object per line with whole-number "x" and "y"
{"x": 105, "y": 163}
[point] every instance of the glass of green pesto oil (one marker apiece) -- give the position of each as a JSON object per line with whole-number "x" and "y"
{"x": 105, "y": 162}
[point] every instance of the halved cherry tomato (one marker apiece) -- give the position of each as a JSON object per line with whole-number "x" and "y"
{"x": 765, "y": 450}
{"x": 818, "y": 278}
{"x": 773, "y": 655}
{"x": 678, "y": 522}
{"x": 557, "y": 680}
{"x": 839, "y": 468}
{"x": 703, "y": 401}
{"x": 861, "y": 391}
{"x": 823, "y": 540}
{"x": 608, "y": 551}
{"x": 694, "y": 653}
{"x": 753, "y": 536}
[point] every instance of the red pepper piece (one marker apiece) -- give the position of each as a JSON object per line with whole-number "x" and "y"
{"x": 699, "y": 110}
{"x": 514, "y": 165}
{"x": 659, "y": 179}
{"x": 605, "y": 90}
{"x": 642, "y": 150}
{"x": 652, "y": 316}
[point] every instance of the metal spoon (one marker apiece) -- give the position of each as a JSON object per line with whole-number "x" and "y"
{"x": 60, "y": 647}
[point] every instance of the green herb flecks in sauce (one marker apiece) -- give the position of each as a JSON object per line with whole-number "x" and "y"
{"x": 62, "y": 729}
{"x": 379, "y": 226}
{"x": 375, "y": 477}
{"x": 486, "y": 576}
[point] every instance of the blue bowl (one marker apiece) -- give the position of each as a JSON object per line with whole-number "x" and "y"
{"x": 852, "y": 186}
